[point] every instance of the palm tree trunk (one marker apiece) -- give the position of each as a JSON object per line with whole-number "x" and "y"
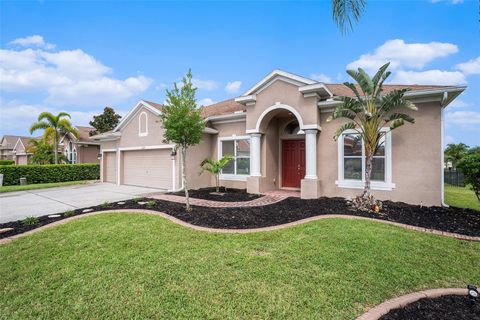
{"x": 184, "y": 177}
{"x": 55, "y": 146}
{"x": 217, "y": 183}
{"x": 368, "y": 174}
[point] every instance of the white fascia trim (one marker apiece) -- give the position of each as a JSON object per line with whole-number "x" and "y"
{"x": 108, "y": 150}
{"x": 132, "y": 112}
{"x": 278, "y": 73}
{"x": 161, "y": 146}
{"x": 232, "y": 177}
{"x": 246, "y": 99}
{"x": 229, "y": 116}
{"x": 311, "y": 127}
{"x": 19, "y": 140}
{"x": 275, "y": 107}
{"x": 315, "y": 88}
{"x": 209, "y": 130}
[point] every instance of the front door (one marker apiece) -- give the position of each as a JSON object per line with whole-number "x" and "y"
{"x": 293, "y": 163}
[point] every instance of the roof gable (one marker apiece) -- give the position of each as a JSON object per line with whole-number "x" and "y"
{"x": 154, "y": 108}
{"x": 277, "y": 75}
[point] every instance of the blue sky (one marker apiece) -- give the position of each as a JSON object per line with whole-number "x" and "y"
{"x": 80, "y": 56}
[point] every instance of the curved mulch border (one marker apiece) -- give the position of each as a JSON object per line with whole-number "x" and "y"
{"x": 402, "y": 301}
{"x": 237, "y": 231}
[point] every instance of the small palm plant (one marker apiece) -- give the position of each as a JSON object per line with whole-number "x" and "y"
{"x": 367, "y": 114}
{"x": 215, "y": 167}
{"x": 54, "y": 125}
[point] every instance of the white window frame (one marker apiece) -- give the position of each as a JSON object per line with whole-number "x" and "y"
{"x": 74, "y": 155}
{"x": 386, "y": 185}
{"x": 234, "y": 176}
{"x": 140, "y": 132}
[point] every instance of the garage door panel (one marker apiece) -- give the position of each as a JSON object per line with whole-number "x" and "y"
{"x": 110, "y": 167}
{"x": 148, "y": 168}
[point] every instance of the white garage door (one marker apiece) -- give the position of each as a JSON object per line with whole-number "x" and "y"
{"x": 110, "y": 167}
{"x": 148, "y": 168}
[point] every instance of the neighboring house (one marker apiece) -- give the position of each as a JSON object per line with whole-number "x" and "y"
{"x": 7, "y": 145}
{"x": 278, "y": 135}
{"x": 21, "y": 150}
{"x": 82, "y": 149}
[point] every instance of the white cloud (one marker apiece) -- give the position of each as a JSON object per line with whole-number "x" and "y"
{"x": 233, "y": 87}
{"x": 16, "y": 117}
{"x": 32, "y": 41}
{"x": 403, "y": 55}
{"x": 208, "y": 85}
{"x": 320, "y": 77}
{"x": 464, "y": 119}
{"x": 434, "y": 77}
{"x": 470, "y": 67}
{"x": 205, "y": 102}
{"x": 69, "y": 77}
{"x": 160, "y": 86}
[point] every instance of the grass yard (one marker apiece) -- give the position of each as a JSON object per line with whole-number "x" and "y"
{"x": 124, "y": 266}
{"x": 40, "y": 186}
{"x": 461, "y": 197}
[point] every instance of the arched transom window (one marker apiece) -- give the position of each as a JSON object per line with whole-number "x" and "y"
{"x": 143, "y": 124}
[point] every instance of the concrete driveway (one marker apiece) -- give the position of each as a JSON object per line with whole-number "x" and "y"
{"x": 21, "y": 204}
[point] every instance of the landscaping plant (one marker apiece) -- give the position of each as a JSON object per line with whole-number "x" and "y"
{"x": 29, "y": 221}
{"x": 151, "y": 203}
{"x": 367, "y": 114}
{"x": 454, "y": 152}
{"x": 215, "y": 167}
{"x": 470, "y": 166}
{"x": 183, "y": 123}
{"x": 105, "y": 205}
{"x": 104, "y": 122}
{"x": 43, "y": 152}
{"x": 68, "y": 213}
{"x": 6, "y": 162}
{"x": 54, "y": 125}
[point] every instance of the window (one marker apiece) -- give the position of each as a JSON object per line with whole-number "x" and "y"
{"x": 239, "y": 149}
{"x": 292, "y": 128}
{"x": 142, "y": 125}
{"x": 351, "y": 162}
{"x": 74, "y": 156}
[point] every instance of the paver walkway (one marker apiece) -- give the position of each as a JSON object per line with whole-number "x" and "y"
{"x": 269, "y": 197}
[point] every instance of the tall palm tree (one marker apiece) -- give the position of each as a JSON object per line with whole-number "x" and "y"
{"x": 345, "y": 12}
{"x": 367, "y": 114}
{"x": 53, "y": 126}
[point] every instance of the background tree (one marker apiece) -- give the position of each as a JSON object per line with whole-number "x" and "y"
{"x": 54, "y": 125}
{"x": 104, "y": 122}
{"x": 346, "y": 12}
{"x": 470, "y": 166}
{"x": 455, "y": 152}
{"x": 182, "y": 122}
{"x": 367, "y": 114}
{"x": 42, "y": 152}
{"x": 215, "y": 167}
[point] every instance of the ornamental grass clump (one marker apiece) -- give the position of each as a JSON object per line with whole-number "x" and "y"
{"x": 30, "y": 221}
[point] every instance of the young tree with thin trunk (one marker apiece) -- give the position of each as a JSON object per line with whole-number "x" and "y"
{"x": 54, "y": 125}
{"x": 367, "y": 113}
{"x": 182, "y": 122}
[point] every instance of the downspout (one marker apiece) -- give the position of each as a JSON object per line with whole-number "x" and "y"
{"x": 442, "y": 134}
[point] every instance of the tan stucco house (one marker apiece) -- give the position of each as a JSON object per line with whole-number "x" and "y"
{"x": 7, "y": 145}
{"x": 77, "y": 150}
{"x": 278, "y": 135}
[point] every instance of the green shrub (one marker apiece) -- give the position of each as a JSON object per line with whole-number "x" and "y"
{"x": 49, "y": 173}
{"x": 470, "y": 166}
{"x": 106, "y": 204}
{"x": 68, "y": 213}
{"x": 6, "y": 162}
{"x": 151, "y": 203}
{"x": 29, "y": 221}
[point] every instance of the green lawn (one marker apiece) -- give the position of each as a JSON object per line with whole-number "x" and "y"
{"x": 461, "y": 197}
{"x": 39, "y": 186}
{"x": 120, "y": 266}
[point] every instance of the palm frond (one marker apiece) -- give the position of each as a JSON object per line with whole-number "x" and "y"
{"x": 403, "y": 116}
{"x": 363, "y": 80}
{"x": 343, "y": 128}
{"x": 379, "y": 77}
{"x": 38, "y": 126}
{"x": 345, "y": 12}
{"x": 47, "y": 116}
{"x": 352, "y": 87}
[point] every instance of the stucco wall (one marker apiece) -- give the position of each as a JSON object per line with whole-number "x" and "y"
{"x": 88, "y": 153}
{"x": 130, "y": 136}
{"x": 416, "y": 154}
{"x": 195, "y": 155}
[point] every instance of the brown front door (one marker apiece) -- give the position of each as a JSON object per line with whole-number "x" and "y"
{"x": 293, "y": 163}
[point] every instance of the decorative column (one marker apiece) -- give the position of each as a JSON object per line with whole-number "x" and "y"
{"x": 255, "y": 155}
{"x": 311, "y": 154}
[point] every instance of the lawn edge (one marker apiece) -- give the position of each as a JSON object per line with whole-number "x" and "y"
{"x": 399, "y": 302}
{"x": 241, "y": 231}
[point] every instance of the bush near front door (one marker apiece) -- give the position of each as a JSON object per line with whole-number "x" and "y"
{"x": 49, "y": 173}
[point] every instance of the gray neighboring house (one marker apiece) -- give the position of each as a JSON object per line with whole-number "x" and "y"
{"x": 7, "y": 146}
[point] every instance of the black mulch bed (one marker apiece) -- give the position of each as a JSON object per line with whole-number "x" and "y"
{"x": 441, "y": 308}
{"x": 225, "y": 195}
{"x": 462, "y": 221}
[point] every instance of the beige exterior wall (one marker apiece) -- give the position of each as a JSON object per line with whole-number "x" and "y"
{"x": 21, "y": 160}
{"x": 130, "y": 136}
{"x": 88, "y": 153}
{"x": 416, "y": 159}
{"x": 195, "y": 156}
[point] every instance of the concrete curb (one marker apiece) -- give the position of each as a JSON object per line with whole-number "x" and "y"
{"x": 400, "y": 302}
{"x": 240, "y": 231}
